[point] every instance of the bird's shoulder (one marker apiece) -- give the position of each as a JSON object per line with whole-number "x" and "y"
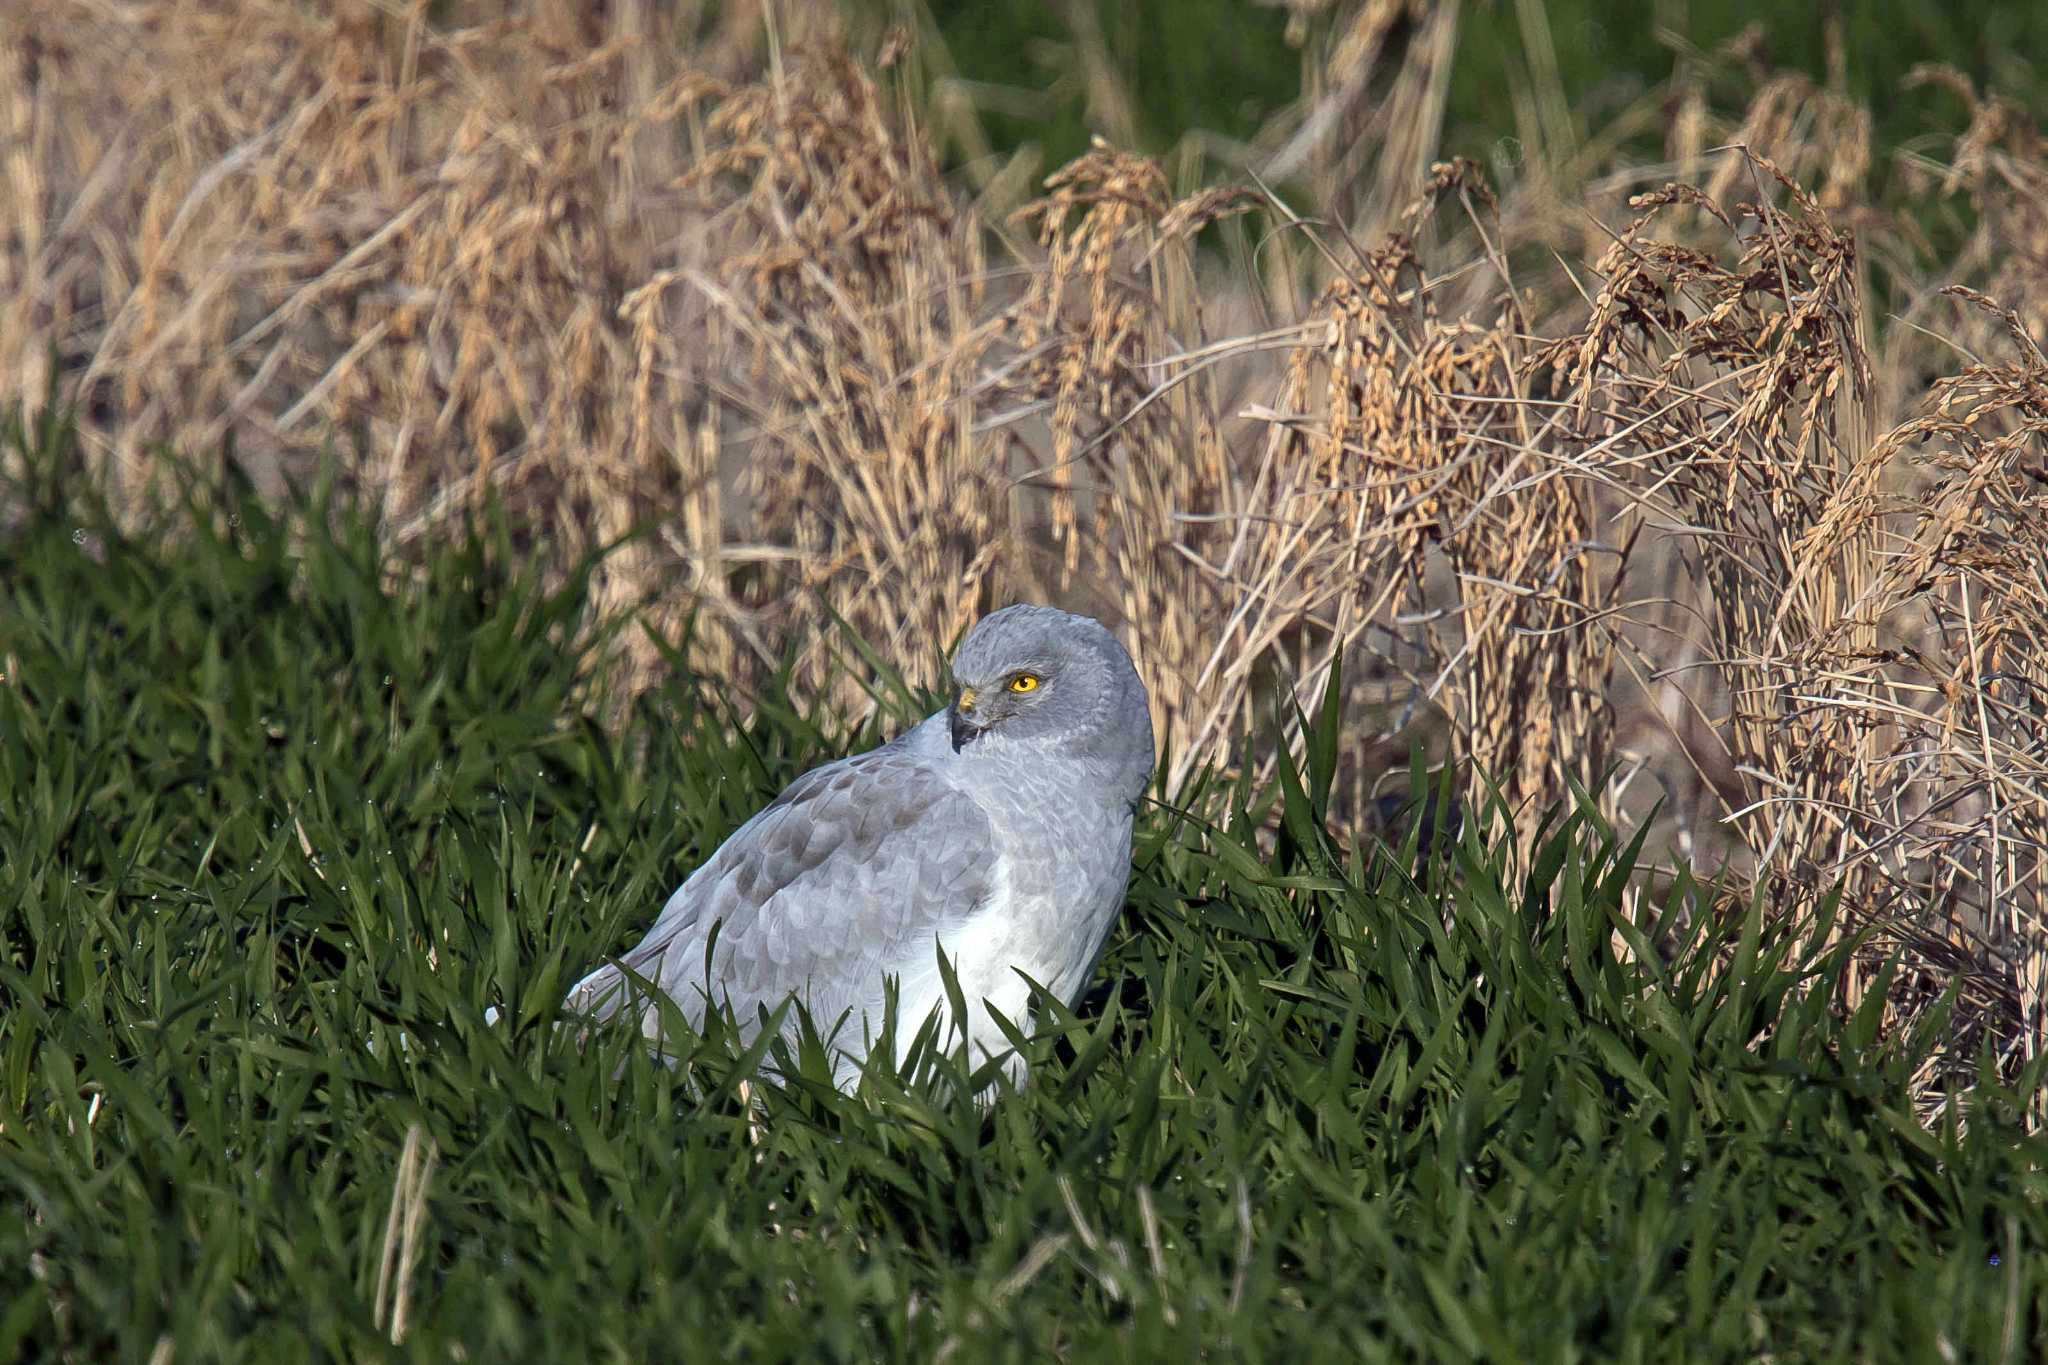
{"x": 881, "y": 841}
{"x": 865, "y": 797}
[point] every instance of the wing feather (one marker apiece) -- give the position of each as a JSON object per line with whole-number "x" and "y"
{"x": 850, "y": 874}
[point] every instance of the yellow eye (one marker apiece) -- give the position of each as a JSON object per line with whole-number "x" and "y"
{"x": 1024, "y": 682}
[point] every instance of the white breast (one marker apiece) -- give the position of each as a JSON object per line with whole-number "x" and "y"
{"x": 986, "y": 953}
{"x": 1049, "y": 933}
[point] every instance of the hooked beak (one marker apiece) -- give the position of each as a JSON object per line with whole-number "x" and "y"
{"x": 963, "y": 727}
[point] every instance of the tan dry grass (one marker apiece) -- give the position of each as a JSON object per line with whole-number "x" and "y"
{"x": 1652, "y": 499}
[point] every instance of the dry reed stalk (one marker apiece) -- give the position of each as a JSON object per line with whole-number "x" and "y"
{"x": 1136, "y": 446}
{"x": 1728, "y": 391}
{"x": 424, "y": 260}
{"x": 1375, "y": 83}
{"x": 1735, "y": 395}
{"x": 1963, "y": 825}
{"x": 1414, "y": 450}
{"x": 859, "y": 312}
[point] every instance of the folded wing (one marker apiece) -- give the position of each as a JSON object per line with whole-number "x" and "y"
{"x": 851, "y": 874}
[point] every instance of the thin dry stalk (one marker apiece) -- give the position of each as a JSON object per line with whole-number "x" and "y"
{"x": 401, "y": 1250}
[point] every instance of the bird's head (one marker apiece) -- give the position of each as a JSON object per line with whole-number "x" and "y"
{"x": 1030, "y": 674}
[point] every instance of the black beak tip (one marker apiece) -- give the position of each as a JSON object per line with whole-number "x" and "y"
{"x": 962, "y": 731}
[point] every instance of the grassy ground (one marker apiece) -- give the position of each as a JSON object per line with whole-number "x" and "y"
{"x": 266, "y": 807}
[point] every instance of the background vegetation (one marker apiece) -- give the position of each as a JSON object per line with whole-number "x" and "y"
{"x": 1217, "y": 68}
{"x": 275, "y": 828}
{"x": 1647, "y": 406}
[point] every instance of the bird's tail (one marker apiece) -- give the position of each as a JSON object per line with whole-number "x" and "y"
{"x": 593, "y": 1000}
{"x": 600, "y": 995}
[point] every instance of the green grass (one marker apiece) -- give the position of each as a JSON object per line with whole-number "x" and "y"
{"x": 1224, "y": 66}
{"x": 264, "y": 808}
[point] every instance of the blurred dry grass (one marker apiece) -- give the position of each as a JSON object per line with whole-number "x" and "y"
{"x": 1613, "y": 472}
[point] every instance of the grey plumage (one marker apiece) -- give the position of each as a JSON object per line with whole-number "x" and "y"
{"x": 997, "y": 830}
